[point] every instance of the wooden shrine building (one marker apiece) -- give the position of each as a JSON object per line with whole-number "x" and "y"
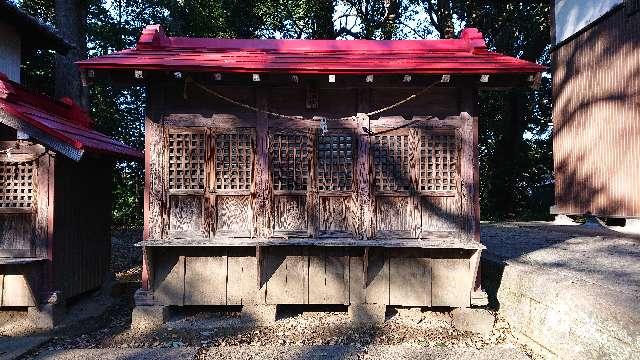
{"x": 55, "y": 198}
{"x": 55, "y": 185}
{"x": 311, "y": 171}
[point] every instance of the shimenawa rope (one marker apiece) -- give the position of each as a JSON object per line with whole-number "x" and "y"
{"x": 189, "y": 80}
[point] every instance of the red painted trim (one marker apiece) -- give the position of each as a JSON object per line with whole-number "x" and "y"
{"x": 62, "y": 120}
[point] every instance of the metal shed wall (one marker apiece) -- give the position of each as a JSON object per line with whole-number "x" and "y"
{"x": 596, "y": 118}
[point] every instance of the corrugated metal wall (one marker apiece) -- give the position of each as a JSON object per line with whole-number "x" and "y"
{"x": 596, "y": 116}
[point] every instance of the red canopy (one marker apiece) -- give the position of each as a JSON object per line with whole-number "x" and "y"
{"x": 62, "y": 120}
{"x": 467, "y": 55}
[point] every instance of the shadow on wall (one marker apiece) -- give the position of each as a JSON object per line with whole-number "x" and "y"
{"x": 596, "y": 92}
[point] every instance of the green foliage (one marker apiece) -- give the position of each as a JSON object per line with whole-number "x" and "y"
{"x": 515, "y": 146}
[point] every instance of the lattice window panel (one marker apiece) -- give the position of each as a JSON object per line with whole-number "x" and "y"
{"x": 391, "y": 162}
{"x": 186, "y": 161}
{"x": 289, "y": 161}
{"x": 16, "y": 184}
{"x": 438, "y": 162}
{"x": 335, "y": 162}
{"x": 234, "y": 161}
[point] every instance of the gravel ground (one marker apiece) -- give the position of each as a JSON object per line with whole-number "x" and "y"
{"x": 204, "y": 333}
{"x": 296, "y": 353}
{"x": 215, "y": 334}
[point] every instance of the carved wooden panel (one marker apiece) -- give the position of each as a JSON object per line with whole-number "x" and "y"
{"x": 289, "y": 155}
{"x": 234, "y": 215}
{"x": 438, "y": 162}
{"x": 391, "y": 162}
{"x": 15, "y": 234}
{"x": 337, "y": 214}
{"x": 440, "y": 213}
{"x": 392, "y": 214}
{"x": 186, "y": 158}
{"x": 185, "y": 214}
{"x": 290, "y": 214}
{"x": 16, "y": 184}
{"x": 233, "y": 161}
{"x": 335, "y": 162}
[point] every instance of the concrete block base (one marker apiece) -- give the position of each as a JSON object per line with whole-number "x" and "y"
{"x": 45, "y": 316}
{"x": 149, "y": 317}
{"x": 367, "y": 313}
{"x": 478, "y": 321}
{"x": 260, "y": 314}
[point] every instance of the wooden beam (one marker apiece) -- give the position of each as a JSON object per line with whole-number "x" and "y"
{"x": 230, "y": 121}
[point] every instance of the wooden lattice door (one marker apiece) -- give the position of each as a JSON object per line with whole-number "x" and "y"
{"x": 186, "y": 152}
{"x": 231, "y": 173}
{"x": 18, "y": 188}
{"x": 415, "y": 182}
{"x": 335, "y": 151}
{"x": 290, "y": 155}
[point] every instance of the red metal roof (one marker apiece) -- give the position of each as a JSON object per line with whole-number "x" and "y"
{"x": 62, "y": 120}
{"x": 467, "y": 55}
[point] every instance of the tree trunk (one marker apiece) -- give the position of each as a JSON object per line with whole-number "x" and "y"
{"x": 71, "y": 21}
{"x": 323, "y": 20}
{"x": 445, "y": 19}
{"x": 508, "y": 154}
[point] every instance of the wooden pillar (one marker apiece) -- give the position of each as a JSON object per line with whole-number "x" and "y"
{"x": 363, "y": 173}
{"x": 470, "y": 174}
{"x": 414, "y": 180}
{"x": 262, "y": 187}
{"x": 313, "y": 200}
{"x": 153, "y": 181}
{"x": 469, "y": 171}
{"x": 51, "y": 174}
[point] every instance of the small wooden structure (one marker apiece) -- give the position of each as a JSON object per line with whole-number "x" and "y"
{"x": 55, "y": 184}
{"x": 596, "y": 116}
{"x": 55, "y": 198}
{"x": 311, "y": 171}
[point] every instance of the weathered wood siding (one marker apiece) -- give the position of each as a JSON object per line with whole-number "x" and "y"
{"x": 81, "y": 225}
{"x": 20, "y": 285}
{"x": 311, "y": 275}
{"x": 596, "y": 119}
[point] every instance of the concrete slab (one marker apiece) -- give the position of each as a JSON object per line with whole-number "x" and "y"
{"x": 14, "y": 347}
{"x": 568, "y": 291}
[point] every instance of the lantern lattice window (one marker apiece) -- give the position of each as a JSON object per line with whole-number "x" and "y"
{"x": 391, "y": 163}
{"x": 234, "y": 161}
{"x": 335, "y": 162}
{"x": 16, "y": 184}
{"x": 438, "y": 162}
{"x": 186, "y": 161}
{"x": 289, "y": 161}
